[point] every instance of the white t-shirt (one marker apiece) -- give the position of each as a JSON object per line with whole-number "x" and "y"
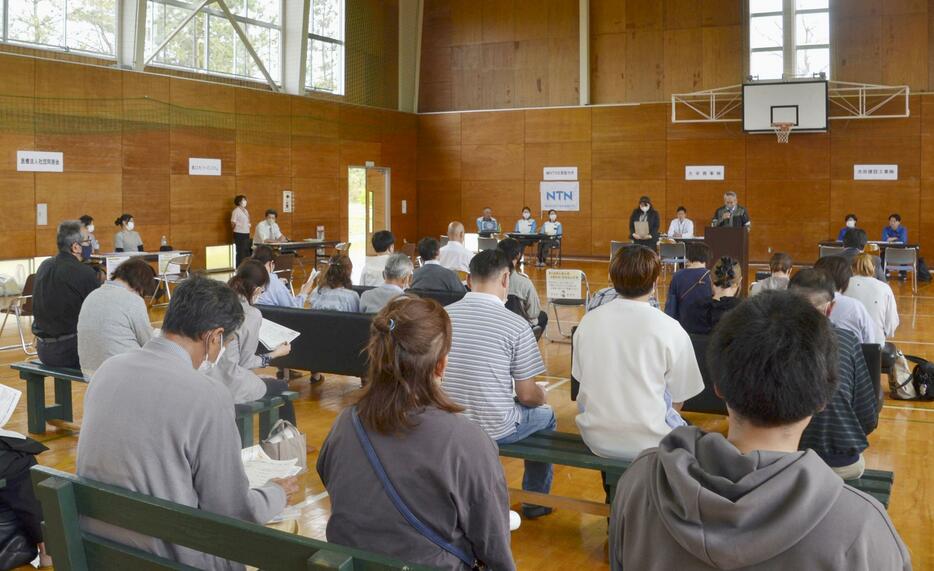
{"x": 454, "y": 256}
{"x": 373, "y": 270}
{"x": 632, "y": 361}
{"x": 266, "y": 231}
{"x": 879, "y": 301}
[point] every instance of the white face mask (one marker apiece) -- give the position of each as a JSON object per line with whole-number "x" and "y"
{"x": 90, "y": 228}
{"x": 130, "y": 225}
{"x": 526, "y": 215}
{"x": 851, "y": 223}
{"x": 553, "y": 217}
{"x": 644, "y": 208}
{"x": 208, "y": 365}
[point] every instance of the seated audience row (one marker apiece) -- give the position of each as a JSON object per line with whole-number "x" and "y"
{"x": 432, "y": 275}
{"x": 779, "y": 273}
{"x": 875, "y": 295}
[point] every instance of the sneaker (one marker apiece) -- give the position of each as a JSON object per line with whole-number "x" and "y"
{"x": 535, "y": 512}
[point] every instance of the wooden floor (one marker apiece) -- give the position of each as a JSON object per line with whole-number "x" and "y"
{"x": 903, "y": 442}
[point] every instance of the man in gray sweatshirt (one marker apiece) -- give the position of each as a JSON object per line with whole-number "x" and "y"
{"x": 752, "y": 500}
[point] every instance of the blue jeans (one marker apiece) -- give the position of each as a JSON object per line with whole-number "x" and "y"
{"x": 538, "y": 475}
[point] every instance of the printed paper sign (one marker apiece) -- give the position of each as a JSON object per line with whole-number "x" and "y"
{"x": 563, "y": 284}
{"x": 113, "y": 262}
{"x": 560, "y": 173}
{"x": 560, "y": 195}
{"x": 704, "y": 172}
{"x": 39, "y": 161}
{"x": 204, "y": 167}
{"x": 875, "y": 172}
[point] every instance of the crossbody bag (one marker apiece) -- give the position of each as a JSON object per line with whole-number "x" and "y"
{"x": 697, "y": 283}
{"x": 396, "y": 499}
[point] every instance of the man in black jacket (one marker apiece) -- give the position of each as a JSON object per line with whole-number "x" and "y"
{"x": 731, "y": 213}
{"x": 62, "y": 283}
{"x": 432, "y": 275}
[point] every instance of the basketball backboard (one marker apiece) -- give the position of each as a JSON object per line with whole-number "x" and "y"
{"x": 804, "y": 104}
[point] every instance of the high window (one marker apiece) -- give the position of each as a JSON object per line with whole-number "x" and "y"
{"x": 325, "y": 58}
{"x": 85, "y": 26}
{"x": 789, "y": 38}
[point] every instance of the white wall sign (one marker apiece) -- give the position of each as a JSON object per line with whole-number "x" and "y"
{"x": 560, "y": 195}
{"x": 563, "y": 284}
{"x": 704, "y": 172}
{"x": 560, "y": 173}
{"x": 42, "y": 214}
{"x": 204, "y": 167}
{"x": 39, "y": 161}
{"x": 875, "y": 172}
{"x": 286, "y": 201}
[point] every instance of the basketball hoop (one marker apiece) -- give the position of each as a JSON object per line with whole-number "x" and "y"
{"x": 782, "y": 131}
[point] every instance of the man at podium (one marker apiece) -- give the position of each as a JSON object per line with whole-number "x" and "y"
{"x": 730, "y": 214}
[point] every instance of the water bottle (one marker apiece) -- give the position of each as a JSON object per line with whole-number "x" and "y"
{"x": 164, "y": 242}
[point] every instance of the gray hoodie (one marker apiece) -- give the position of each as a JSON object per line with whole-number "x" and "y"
{"x": 696, "y": 502}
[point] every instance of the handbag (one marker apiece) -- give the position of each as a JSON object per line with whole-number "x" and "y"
{"x": 922, "y": 378}
{"x": 396, "y": 499}
{"x": 286, "y": 442}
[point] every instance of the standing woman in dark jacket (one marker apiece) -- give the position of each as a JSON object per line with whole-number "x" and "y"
{"x": 645, "y": 213}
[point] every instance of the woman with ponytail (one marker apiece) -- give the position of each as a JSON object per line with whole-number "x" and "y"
{"x": 336, "y": 294}
{"x": 235, "y": 367}
{"x": 726, "y": 279}
{"x": 444, "y": 467}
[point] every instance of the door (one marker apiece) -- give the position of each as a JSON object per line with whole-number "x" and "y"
{"x": 368, "y": 211}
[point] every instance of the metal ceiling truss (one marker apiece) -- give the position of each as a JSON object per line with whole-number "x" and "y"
{"x": 847, "y": 100}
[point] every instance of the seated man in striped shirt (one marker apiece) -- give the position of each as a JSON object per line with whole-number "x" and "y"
{"x": 838, "y": 433}
{"x": 492, "y": 364}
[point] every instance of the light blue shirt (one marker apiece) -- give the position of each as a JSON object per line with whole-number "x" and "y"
{"x": 524, "y": 226}
{"x": 340, "y": 299}
{"x": 276, "y": 293}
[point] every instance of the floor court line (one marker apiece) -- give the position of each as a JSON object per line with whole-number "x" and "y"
{"x": 908, "y": 408}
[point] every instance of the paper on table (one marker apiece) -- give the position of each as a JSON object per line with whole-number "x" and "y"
{"x": 271, "y": 334}
{"x": 9, "y": 398}
{"x": 260, "y": 468}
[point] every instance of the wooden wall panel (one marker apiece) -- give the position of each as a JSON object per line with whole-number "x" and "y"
{"x": 148, "y": 198}
{"x": 492, "y": 162}
{"x": 203, "y": 124}
{"x": 506, "y": 198}
{"x": 316, "y": 203}
{"x": 146, "y": 134}
{"x": 315, "y": 138}
{"x": 18, "y": 193}
{"x": 492, "y": 128}
{"x": 17, "y": 97}
{"x": 69, "y": 195}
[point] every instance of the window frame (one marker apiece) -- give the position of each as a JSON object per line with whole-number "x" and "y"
{"x": 210, "y": 12}
{"x": 6, "y": 39}
{"x": 790, "y": 46}
{"x": 341, "y": 42}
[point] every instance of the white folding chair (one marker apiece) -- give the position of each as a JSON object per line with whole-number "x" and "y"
{"x": 565, "y": 288}
{"x": 830, "y": 251}
{"x": 173, "y": 271}
{"x": 902, "y": 260}
{"x": 21, "y": 308}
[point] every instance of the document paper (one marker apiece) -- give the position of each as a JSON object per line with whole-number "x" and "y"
{"x": 260, "y": 468}
{"x": 9, "y": 398}
{"x": 271, "y": 334}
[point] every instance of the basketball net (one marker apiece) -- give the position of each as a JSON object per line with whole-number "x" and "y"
{"x": 782, "y": 131}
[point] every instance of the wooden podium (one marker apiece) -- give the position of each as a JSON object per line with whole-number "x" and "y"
{"x": 732, "y": 242}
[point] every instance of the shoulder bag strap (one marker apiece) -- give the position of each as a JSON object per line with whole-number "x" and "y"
{"x": 697, "y": 283}
{"x": 390, "y": 490}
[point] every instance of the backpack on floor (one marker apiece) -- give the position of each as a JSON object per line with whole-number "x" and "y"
{"x": 922, "y": 377}
{"x": 901, "y": 385}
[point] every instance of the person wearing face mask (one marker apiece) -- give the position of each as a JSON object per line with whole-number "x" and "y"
{"x": 127, "y": 238}
{"x": 526, "y": 224}
{"x": 397, "y": 275}
{"x": 239, "y": 357}
{"x": 92, "y": 245}
{"x": 848, "y": 222}
{"x": 155, "y": 424}
{"x": 633, "y": 379}
{"x": 731, "y": 213}
{"x": 554, "y": 231}
{"x": 240, "y": 224}
{"x": 492, "y": 366}
{"x": 61, "y": 286}
{"x": 646, "y": 234}
{"x": 268, "y": 231}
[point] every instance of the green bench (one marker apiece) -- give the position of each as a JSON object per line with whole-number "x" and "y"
{"x": 65, "y": 498}
{"x": 568, "y": 449}
{"x": 38, "y": 413}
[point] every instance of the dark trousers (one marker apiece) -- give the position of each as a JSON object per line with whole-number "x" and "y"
{"x": 542, "y": 320}
{"x": 18, "y": 496}
{"x": 244, "y": 246}
{"x": 59, "y": 353}
{"x": 544, "y": 247}
{"x": 277, "y": 387}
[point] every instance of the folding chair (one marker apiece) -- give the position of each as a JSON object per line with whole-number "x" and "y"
{"x": 830, "y": 251}
{"x": 563, "y": 288}
{"x": 616, "y": 245}
{"x": 21, "y": 307}
{"x": 484, "y": 244}
{"x": 408, "y": 249}
{"x": 902, "y": 260}
{"x": 284, "y": 269}
{"x": 672, "y": 254}
{"x": 555, "y": 250}
{"x": 174, "y": 272}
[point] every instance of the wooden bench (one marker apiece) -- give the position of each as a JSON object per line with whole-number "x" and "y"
{"x": 65, "y": 498}
{"x": 568, "y": 449}
{"x": 38, "y": 414}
